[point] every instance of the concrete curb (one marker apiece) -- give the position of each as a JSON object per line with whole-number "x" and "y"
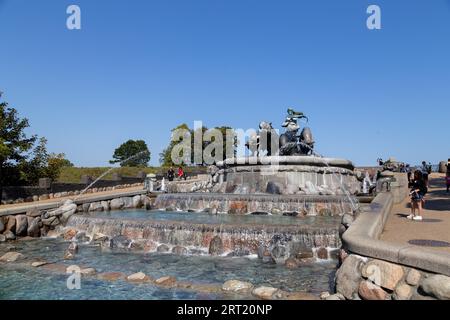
{"x": 363, "y": 238}
{"x": 58, "y": 202}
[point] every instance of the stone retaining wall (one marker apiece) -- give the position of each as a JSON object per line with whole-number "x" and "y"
{"x": 36, "y": 223}
{"x": 372, "y": 269}
{"x": 37, "y": 194}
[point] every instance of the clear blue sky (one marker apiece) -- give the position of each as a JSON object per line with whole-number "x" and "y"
{"x": 139, "y": 68}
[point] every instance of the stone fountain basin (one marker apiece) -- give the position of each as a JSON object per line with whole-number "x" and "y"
{"x": 301, "y": 205}
{"x": 288, "y": 160}
{"x": 221, "y": 234}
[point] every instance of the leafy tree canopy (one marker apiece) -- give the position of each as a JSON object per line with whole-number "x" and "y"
{"x": 133, "y": 153}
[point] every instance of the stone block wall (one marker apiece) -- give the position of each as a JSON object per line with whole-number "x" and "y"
{"x": 362, "y": 278}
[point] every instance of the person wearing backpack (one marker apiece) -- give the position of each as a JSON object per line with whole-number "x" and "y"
{"x": 418, "y": 191}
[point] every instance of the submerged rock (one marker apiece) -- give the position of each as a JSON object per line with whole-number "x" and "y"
{"x": 11, "y": 257}
{"x": 88, "y": 271}
{"x": 163, "y": 248}
{"x": 265, "y": 293}
{"x": 291, "y": 263}
{"x": 237, "y": 286}
{"x": 137, "y": 277}
{"x": 167, "y": 281}
{"x": 111, "y": 276}
{"x": 37, "y": 264}
{"x": 181, "y": 251}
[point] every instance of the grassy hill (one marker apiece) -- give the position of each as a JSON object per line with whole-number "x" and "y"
{"x": 73, "y": 174}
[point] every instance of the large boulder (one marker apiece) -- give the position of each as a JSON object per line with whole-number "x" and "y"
{"x": 403, "y": 292}
{"x": 21, "y": 225}
{"x": 51, "y": 222}
{"x": 413, "y": 277}
{"x": 348, "y": 277}
{"x": 216, "y": 246}
{"x": 34, "y": 213}
{"x": 9, "y": 235}
{"x": 128, "y": 203}
{"x": 369, "y": 291}
{"x": 137, "y": 201}
{"x": 437, "y": 286}
{"x": 105, "y": 205}
{"x": 64, "y": 212}
{"x": 11, "y": 224}
{"x": 117, "y": 204}
{"x": 34, "y": 225}
{"x": 384, "y": 274}
{"x": 2, "y": 225}
{"x": 95, "y": 206}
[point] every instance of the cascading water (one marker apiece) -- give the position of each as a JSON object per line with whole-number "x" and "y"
{"x": 354, "y": 202}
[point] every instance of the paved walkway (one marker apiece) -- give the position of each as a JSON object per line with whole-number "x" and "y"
{"x": 436, "y": 223}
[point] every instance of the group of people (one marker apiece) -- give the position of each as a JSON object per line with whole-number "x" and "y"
{"x": 180, "y": 174}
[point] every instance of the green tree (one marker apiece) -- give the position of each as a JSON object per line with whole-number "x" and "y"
{"x": 133, "y": 153}
{"x": 14, "y": 143}
{"x": 37, "y": 167}
{"x": 165, "y": 157}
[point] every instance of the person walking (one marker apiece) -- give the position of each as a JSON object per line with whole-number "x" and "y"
{"x": 181, "y": 174}
{"x": 408, "y": 172}
{"x": 170, "y": 174}
{"x": 418, "y": 191}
